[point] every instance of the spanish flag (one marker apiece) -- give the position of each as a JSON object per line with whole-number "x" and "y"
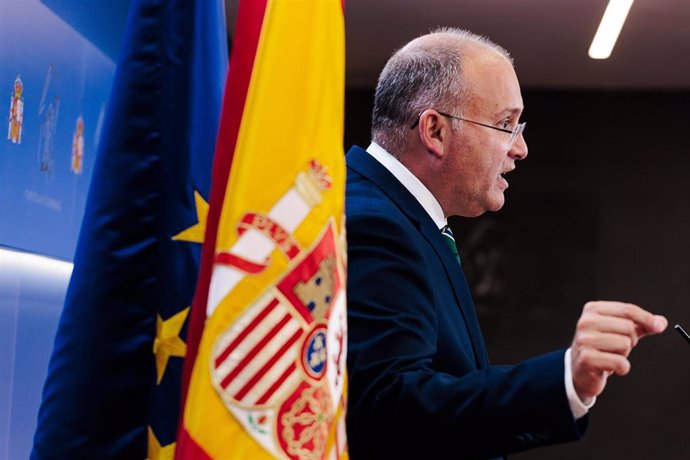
{"x": 265, "y": 365}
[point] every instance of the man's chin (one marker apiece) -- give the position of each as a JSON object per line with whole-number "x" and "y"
{"x": 491, "y": 205}
{"x": 496, "y": 204}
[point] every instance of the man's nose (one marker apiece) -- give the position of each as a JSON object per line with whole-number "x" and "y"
{"x": 518, "y": 151}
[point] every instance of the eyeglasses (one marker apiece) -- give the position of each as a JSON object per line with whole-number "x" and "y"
{"x": 514, "y": 133}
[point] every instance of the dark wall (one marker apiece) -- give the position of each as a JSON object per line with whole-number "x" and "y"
{"x": 599, "y": 210}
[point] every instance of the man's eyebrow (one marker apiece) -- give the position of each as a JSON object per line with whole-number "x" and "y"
{"x": 509, "y": 111}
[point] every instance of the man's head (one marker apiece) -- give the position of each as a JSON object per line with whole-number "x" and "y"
{"x": 424, "y": 90}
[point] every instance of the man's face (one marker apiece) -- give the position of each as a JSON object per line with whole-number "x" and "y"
{"x": 478, "y": 156}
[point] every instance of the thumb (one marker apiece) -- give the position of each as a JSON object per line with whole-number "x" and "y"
{"x": 655, "y": 324}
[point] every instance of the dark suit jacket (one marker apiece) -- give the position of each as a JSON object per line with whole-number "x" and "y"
{"x": 420, "y": 383}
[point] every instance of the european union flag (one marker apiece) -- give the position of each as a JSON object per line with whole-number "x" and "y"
{"x": 113, "y": 385}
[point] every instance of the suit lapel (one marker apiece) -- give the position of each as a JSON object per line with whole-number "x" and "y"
{"x": 363, "y": 163}
{"x": 457, "y": 279}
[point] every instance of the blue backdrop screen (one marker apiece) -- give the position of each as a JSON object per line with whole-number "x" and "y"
{"x": 57, "y": 63}
{"x": 54, "y": 87}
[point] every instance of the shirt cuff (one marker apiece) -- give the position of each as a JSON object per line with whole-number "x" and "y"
{"x": 577, "y": 407}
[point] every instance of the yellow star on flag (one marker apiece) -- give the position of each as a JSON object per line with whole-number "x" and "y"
{"x": 195, "y": 233}
{"x": 168, "y": 342}
{"x": 156, "y": 452}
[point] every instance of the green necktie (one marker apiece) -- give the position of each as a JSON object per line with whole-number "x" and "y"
{"x": 450, "y": 241}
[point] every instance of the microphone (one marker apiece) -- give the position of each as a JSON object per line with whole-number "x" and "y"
{"x": 682, "y": 333}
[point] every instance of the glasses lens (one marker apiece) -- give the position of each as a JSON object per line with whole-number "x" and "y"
{"x": 516, "y": 132}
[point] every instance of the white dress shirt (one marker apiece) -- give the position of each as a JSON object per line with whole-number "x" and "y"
{"x": 433, "y": 208}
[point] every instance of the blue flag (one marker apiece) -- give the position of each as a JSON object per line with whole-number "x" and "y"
{"x": 113, "y": 386}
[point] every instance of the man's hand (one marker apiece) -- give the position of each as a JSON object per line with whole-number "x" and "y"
{"x": 604, "y": 337}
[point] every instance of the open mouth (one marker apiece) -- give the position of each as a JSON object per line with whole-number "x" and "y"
{"x": 503, "y": 175}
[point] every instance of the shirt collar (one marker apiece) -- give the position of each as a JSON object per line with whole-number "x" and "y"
{"x": 410, "y": 182}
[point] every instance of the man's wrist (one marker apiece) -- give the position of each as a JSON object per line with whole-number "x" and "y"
{"x": 578, "y": 407}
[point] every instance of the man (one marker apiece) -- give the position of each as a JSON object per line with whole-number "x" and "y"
{"x": 445, "y": 132}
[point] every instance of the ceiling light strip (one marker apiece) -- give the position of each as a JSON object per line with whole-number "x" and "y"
{"x": 611, "y": 25}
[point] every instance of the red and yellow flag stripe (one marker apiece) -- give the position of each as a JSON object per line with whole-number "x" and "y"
{"x": 265, "y": 370}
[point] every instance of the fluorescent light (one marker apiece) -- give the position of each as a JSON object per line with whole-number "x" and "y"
{"x": 610, "y": 27}
{"x": 11, "y": 261}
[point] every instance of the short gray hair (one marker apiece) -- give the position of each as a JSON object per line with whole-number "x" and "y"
{"x": 421, "y": 76}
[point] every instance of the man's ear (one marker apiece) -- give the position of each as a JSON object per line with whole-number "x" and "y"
{"x": 432, "y": 132}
